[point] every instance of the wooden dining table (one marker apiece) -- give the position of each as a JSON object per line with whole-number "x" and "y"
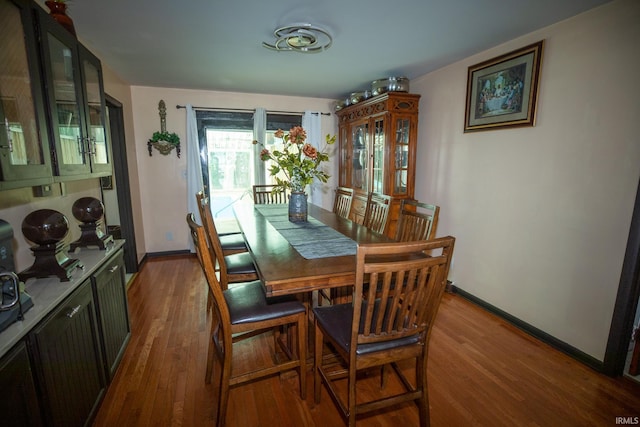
{"x": 282, "y": 269}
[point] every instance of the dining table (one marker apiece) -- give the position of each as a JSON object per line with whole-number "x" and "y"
{"x": 296, "y": 258}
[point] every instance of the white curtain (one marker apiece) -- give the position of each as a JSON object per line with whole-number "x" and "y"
{"x": 312, "y": 124}
{"x": 195, "y": 181}
{"x": 260, "y": 135}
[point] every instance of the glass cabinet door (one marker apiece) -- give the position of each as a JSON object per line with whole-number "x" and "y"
{"x": 360, "y": 157}
{"x": 377, "y": 182}
{"x": 65, "y": 100}
{"x": 95, "y": 112}
{"x": 23, "y": 137}
{"x": 401, "y": 156}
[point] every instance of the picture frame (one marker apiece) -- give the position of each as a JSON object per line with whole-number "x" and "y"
{"x": 106, "y": 182}
{"x": 502, "y": 92}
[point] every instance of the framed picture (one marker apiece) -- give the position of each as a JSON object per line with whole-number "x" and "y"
{"x": 502, "y": 91}
{"x": 106, "y": 182}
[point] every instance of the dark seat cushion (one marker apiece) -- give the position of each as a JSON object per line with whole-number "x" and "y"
{"x": 335, "y": 321}
{"x": 248, "y": 303}
{"x": 241, "y": 263}
{"x": 233, "y": 241}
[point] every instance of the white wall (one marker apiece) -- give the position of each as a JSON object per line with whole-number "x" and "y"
{"x": 541, "y": 214}
{"x": 163, "y": 178}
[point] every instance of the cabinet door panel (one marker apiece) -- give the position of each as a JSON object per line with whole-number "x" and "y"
{"x": 70, "y": 362}
{"x": 95, "y": 112}
{"x": 110, "y": 292}
{"x": 360, "y": 157}
{"x": 23, "y": 137}
{"x": 19, "y": 403}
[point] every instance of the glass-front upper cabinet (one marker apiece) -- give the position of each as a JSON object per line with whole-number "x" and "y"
{"x": 378, "y": 140}
{"x": 95, "y": 109}
{"x": 76, "y": 103}
{"x": 24, "y": 147}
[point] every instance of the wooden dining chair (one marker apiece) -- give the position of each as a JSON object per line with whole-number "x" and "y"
{"x": 378, "y": 330}
{"x": 376, "y": 213}
{"x": 233, "y": 268}
{"x": 342, "y": 201}
{"x": 265, "y": 195}
{"x": 243, "y": 309}
{"x": 416, "y": 221}
{"x": 230, "y": 243}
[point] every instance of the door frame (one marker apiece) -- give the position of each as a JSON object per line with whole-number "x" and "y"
{"x": 123, "y": 190}
{"x": 626, "y": 301}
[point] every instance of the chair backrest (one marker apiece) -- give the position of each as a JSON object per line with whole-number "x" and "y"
{"x": 207, "y": 262}
{"x": 377, "y": 212}
{"x": 417, "y": 221}
{"x": 265, "y": 195}
{"x": 211, "y": 237}
{"x": 409, "y": 284}
{"x": 342, "y": 202}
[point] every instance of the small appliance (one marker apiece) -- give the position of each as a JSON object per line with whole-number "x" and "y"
{"x": 14, "y": 300}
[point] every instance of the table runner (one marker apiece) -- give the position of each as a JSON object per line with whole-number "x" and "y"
{"x": 312, "y": 239}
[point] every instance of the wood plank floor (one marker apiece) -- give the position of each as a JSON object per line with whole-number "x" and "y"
{"x": 482, "y": 371}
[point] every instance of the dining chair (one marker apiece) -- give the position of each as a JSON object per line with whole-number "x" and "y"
{"x": 342, "y": 201}
{"x": 376, "y": 213}
{"x": 230, "y": 243}
{"x": 416, "y": 221}
{"x": 233, "y": 268}
{"x": 375, "y": 330}
{"x": 240, "y": 310}
{"x": 265, "y": 195}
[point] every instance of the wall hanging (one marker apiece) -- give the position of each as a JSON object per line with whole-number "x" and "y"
{"x": 164, "y": 141}
{"x": 502, "y": 91}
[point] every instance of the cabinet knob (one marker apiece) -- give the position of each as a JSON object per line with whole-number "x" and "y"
{"x": 113, "y": 269}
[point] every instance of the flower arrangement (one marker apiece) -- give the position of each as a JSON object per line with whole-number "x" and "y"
{"x": 165, "y": 136}
{"x": 298, "y": 160}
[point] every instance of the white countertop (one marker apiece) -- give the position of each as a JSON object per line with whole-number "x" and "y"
{"x": 48, "y": 293}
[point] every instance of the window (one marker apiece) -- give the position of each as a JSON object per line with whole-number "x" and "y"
{"x": 229, "y": 164}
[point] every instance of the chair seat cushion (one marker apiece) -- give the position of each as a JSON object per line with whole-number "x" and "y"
{"x": 248, "y": 303}
{"x": 241, "y": 263}
{"x": 335, "y": 321}
{"x": 233, "y": 241}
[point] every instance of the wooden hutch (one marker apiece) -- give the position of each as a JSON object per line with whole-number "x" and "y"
{"x": 378, "y": 140}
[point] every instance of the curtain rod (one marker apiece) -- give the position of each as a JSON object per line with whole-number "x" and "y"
{"x": 246, "y": 110}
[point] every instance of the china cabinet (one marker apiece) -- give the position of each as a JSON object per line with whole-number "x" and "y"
{"x": 378, "y": 140}
{"x": 24, "y": 143}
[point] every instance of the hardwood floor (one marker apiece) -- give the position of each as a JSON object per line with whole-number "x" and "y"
{"x": 482, "y": 371}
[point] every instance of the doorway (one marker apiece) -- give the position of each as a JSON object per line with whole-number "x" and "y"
{"x": 627, "y": 302}
{"x": 116, "y": 191}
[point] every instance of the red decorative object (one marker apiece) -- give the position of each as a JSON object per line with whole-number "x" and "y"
{"x": 58, "y": 10}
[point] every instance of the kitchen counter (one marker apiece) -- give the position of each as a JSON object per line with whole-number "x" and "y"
{"x": 48, "y": 293}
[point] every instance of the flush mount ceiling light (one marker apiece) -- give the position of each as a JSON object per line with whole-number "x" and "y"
{"x": 305, "y": 38}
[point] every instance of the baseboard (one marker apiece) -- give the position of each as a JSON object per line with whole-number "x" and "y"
{"x": 533, "y": 331}
{"x": 168, "y": 253}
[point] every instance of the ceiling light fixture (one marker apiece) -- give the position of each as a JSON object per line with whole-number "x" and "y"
{"x": 305, "y": 38}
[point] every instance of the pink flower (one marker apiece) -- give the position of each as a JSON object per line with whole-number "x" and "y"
{"x": 279, "y": 133}
{"x": 265, "y": 154}
{"x": 310, "y": 151}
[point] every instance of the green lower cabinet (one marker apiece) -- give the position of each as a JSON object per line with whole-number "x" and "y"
{"x": 19, "y": 402}
{"x": 70, "y": 366}
{"x": 109, "y": 287}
